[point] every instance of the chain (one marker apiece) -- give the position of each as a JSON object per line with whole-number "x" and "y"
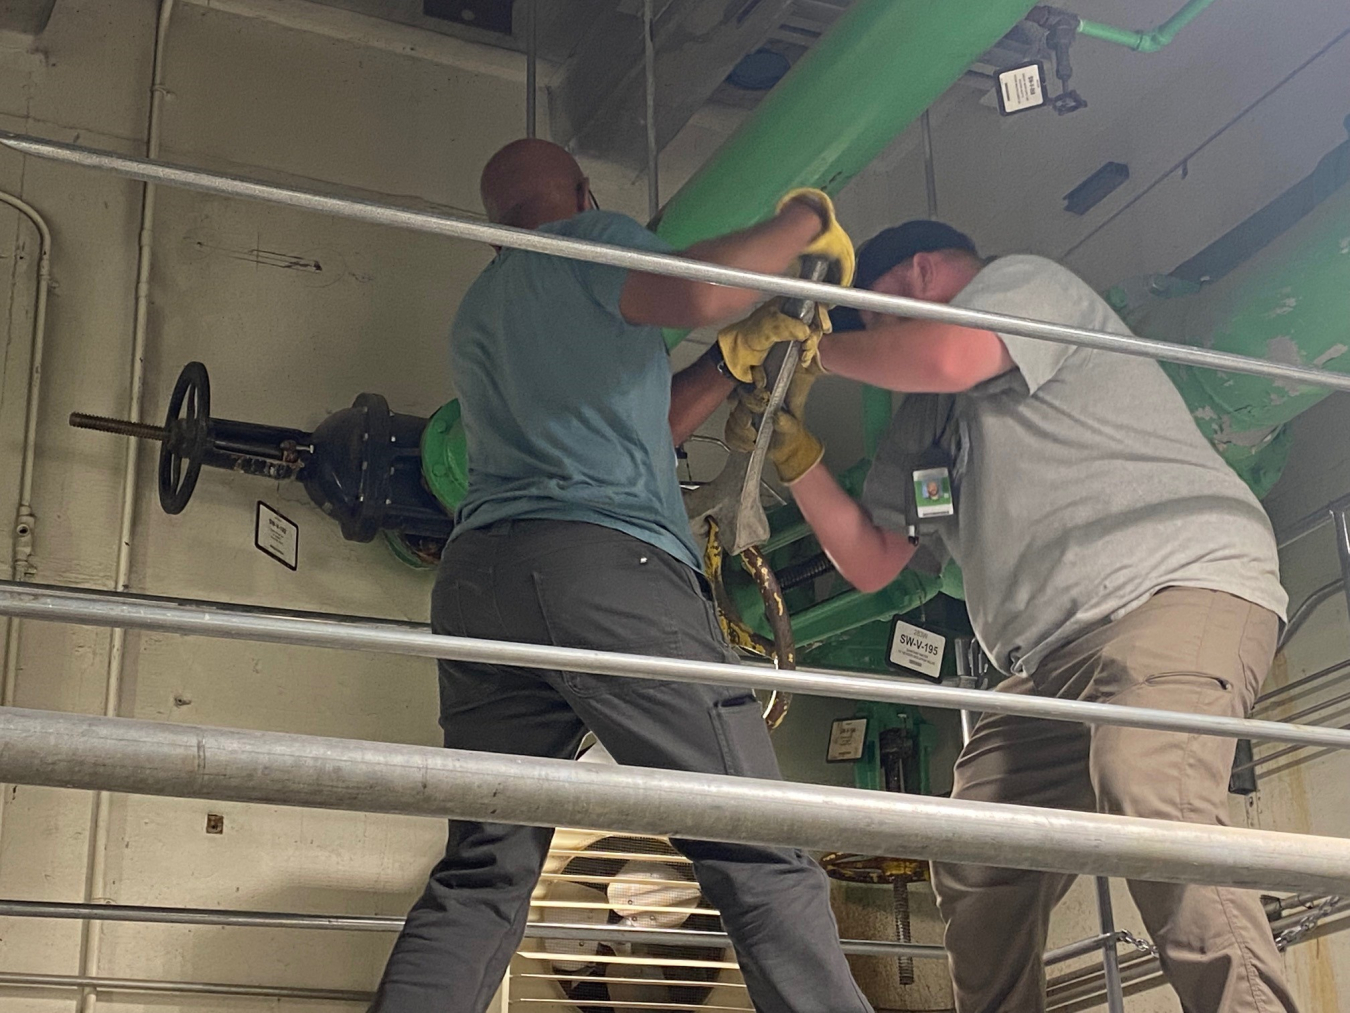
{"x": 1142, "y": 945}
{"x": 1283, "y": 940}
{"x": 1306, "y": 924}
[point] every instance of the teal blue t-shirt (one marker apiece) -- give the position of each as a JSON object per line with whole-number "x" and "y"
{"x": 565, "y": 404}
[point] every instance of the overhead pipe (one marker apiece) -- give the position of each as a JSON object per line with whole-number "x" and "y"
{"x": 62, "y": 750}
{"x": 881, "y": 65}
{"x": 1150, "y": 41}
{"x": 1277, "y": 285}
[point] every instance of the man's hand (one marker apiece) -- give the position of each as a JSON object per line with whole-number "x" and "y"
{"x": 833, "y": 242}
{"x": 793, "y": 449}
{"x": 746, "y": 343}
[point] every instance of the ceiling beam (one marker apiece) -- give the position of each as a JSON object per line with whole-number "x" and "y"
{"x": 597, "y": 104}
{"x": 28, "y": 17}
{"x": 562, "y": 23}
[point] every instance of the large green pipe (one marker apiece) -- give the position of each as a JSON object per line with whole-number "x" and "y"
{"x": 1290, "y": 303}
{"x": 1150, "y": 41}
{"x": 880, "y": 66}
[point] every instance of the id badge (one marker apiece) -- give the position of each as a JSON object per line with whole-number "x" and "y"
{"x": 933, "y": 493}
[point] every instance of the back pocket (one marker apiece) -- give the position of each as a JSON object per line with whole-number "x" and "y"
{"x": 618, "y": 600}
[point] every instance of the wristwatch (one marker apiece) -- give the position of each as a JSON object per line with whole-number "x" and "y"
{"x": 720, "y": 362}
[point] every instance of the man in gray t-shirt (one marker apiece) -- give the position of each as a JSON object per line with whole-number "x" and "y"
{"x": 1108, "y": 553}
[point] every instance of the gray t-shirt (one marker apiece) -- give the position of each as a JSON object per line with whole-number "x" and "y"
{"x": 1082, "y": 484}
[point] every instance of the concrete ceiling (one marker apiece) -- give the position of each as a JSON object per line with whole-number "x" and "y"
{"x": 593, "y": 50}
{"x": 562, "y": 24}
{"x": 592, "y": 55}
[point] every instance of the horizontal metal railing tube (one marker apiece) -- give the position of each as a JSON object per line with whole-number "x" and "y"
{"x": 223, "y": 620}
{"x": 390, "y": 923}
{"x": 1309, "y": 523}
{"x": 533, "y": 930}
{"x": 159, "y": 758}
{"x": 437, "y": 223}
{"x": 11, "y": 979}
{"x": 1070, "y": 951}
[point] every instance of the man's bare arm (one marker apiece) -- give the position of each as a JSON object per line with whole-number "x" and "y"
{"x": 869, "y": 557}
{"x": 769, "y": 248}
{"x": 695, "y": 393}
{"x": 917, "y": 356}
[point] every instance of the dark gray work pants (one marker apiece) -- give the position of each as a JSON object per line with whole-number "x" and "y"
{"x": 581, "y": 585}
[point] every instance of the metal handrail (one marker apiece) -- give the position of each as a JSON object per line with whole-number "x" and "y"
{"x": 189, "y": 178}
{"x": 142, "y": 913}
{"x": 391, "y": 923}
{"x": 220, "y": 619}
{"x": 161, "y": 758}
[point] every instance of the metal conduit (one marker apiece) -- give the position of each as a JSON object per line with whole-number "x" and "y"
{"x": 310, "y": 629}
{"x": 677, "y": 267}
{"x": 1269, "y": 698}
{"x": 159, "y": 758}
{"x": 1307, "y": 607}
{"x": 1302, "y": 527}
{"x": 1268, "y": 758}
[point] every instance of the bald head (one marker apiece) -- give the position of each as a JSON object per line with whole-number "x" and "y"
{"x": 531, "y": 182}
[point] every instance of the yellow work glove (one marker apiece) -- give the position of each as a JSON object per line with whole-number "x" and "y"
{"x": 745, "y": 343}
{"x": 793, "y": 449}
{"x": 833, "y": 242}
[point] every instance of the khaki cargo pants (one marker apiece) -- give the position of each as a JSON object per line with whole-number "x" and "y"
{"x": 1186, "y": 649}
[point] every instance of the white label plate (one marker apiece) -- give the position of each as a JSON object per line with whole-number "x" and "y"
{"x": 278, "y": 536}
{"x": 1021, "y": 88}
{"x": 916, "y": 648}
{"x": 848, "y": 736}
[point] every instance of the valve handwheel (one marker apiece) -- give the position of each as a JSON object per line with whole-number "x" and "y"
{"x": 187, "y": 435}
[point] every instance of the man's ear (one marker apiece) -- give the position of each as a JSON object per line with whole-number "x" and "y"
{"x": 584, "y": 195}
{"x": 924, "y": 274}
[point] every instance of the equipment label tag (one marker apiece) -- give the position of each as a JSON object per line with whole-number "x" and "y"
{"x": 278, "y": 536}
{"x": 916, "y": 648}
{"x": 848, "y": 738}
{"x": 1021, "y": 88}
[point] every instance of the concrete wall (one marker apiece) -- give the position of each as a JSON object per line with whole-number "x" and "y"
{"x": 296, "y": 313}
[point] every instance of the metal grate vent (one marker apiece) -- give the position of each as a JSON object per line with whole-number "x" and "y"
{"x": 622, "y": 880}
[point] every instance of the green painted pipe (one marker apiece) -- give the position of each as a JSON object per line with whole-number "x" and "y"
{"x": 881, "y": 65}
{"x": 1145, "y": 42}
{"x": 1290, "y": 303}
{"x": 877, "y": 409}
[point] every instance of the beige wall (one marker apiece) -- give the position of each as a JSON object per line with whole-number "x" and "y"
{"x": 284, "y": 346}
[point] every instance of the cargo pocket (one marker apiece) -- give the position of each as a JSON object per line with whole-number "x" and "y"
{"x": 738, "y": 723}
{"x": 1194, "y": 692}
